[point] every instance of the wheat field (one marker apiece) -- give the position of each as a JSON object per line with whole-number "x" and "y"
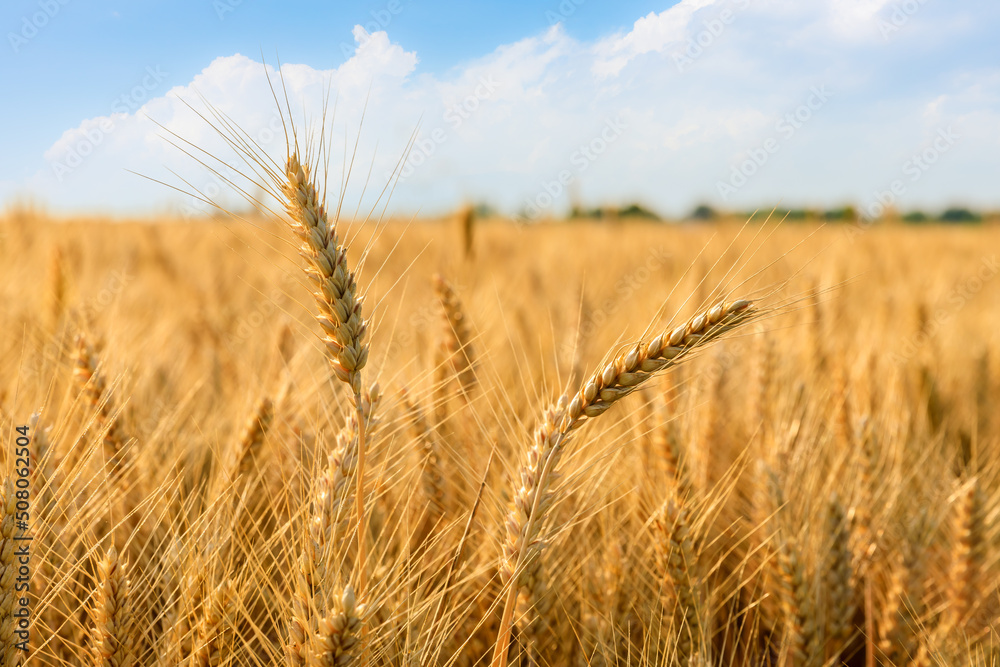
{"x": 797, "y": 466}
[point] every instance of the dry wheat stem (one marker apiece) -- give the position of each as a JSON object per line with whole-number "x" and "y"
{"x": 330, "y": 504}
{"x": 616, "y": 380}
{"x": 339, "y": 308}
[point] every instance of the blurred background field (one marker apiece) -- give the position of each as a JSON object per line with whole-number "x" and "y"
{"x": 867, "y": 389}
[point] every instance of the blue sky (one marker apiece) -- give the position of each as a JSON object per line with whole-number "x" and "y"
{"x": 738, "y": 103}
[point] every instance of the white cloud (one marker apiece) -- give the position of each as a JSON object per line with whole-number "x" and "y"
{"x": 695, "y": 88}
{"x": 653, "y": 32}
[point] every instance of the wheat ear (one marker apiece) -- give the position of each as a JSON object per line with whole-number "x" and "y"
{"x": 457, "y": 343}
{"x": 338, "y": 633}
{"x": 215, "y": 628}
{"x": 839, "y": 577}
{"x": 616, "y": 380}
{"x": 432, "y": 473}
{"x": 91, "y": 383}
{"x": 967, "y": 555}
{"x": 339, "y": 307}
{"x": 330, "y": 503}
{"x": 797, "y": 605}
{"x": 794, "y": 593}
{"x": 678, "y": 561}
{"x": 114, "y": 633}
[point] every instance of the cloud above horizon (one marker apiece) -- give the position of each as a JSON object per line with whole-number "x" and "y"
{"x": 736, "y": 103}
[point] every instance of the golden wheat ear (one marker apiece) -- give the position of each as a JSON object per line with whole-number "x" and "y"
{"x": 339, "y": 304}
{"x": 521, "y": 560}
{"x": 115, "y": 632}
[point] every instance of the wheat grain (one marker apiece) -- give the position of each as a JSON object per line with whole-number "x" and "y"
{"x": 113, "y": 637}
{"x": 338, "y": 633}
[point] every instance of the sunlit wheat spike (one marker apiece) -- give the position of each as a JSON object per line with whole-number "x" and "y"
{"x": 332, "y": 498}
{"x": 336, "y": 285}
{"x": 457, "y": 342}
{"x": 337, "y": 634}
{"x": 114, "y": 635}
{"x": 339, "y": 310}
{"x": 252, "y": 438}
{"x": 839, "y": 579}
{"x": 798, "y": 606}
{"x": 214, "y": 633}
{"x": 901, "y": 619}
{"x": 432, "y": 473}
{"x": 617, "y": 379}
{"x": 467, "y": 222}
{"x": 89, "y": 378}
{"x": 57, "y": 285}
{"x": 968, "y": 554}
{"x": 325, "y": 532}
{"x": 677, "y": 550}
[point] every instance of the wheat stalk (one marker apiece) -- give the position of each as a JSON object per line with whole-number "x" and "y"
{"x": 617, "y": 379}
{"x": 339, "y": 307}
